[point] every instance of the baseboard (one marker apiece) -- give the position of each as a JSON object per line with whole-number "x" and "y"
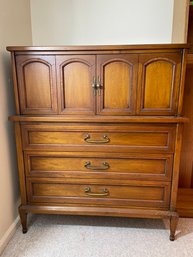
{"x": 10, "y": 231}
{"x": 8, "y": 234}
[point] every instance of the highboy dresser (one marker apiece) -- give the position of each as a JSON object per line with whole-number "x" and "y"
{"x": 98, "y": 129}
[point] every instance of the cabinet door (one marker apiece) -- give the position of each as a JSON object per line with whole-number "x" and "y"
{"x": 117, "y": 76}
{"x": 158, "y": 83}
{"x": 75, "y": 75}
{"x": 36, "y": 84}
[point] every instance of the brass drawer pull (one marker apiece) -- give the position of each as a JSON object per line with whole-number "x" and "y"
{"x": 99, "y": 141}
{"x": 105, "y": 166}
{"x": 98, "y": 86}
{"x": 104, "y": 192}
{"x": 94, "y": 86}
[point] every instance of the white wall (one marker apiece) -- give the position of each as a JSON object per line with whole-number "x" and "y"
{"x": 59, "y": 22}
{"x": 15, "y": 29}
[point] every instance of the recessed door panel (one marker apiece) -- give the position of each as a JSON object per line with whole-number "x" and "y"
{"x": 76, "y": 75}
{"x": 116, "y": 79}
{"x": 37, "y": 84}
{"x": 117, "y": 84}
{"x": 158, "y": 86}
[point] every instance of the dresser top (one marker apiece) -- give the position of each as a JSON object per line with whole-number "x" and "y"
{"x": 97, "y": 47}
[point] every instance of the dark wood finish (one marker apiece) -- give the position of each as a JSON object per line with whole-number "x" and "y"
{"x": 15, "y": 84}
{"x": 23, "y": 218}
{"x": 185, "y": 204}
{"x": 96, "y": 119}
{"x": 182, "y": 82}
{"x": 111, "y": 48}
{"x": 93, "y": 137}
{"x": 186, "y": 166}
{"x": 20, "y": 163}
{"x": 176, "y": 166}
{"x": 98, "y": 211}
{"x": 173, "y": 226}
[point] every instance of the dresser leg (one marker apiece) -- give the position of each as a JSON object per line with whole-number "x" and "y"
{"x": 173, "y": 226}
{"x": 23, "y": 218}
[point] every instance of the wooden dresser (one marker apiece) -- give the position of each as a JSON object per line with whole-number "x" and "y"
{"x": 98, "y": 129}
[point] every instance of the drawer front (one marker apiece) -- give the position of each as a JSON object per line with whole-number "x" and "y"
{"x": 99, "y": 137}
{"x": 101, "y": 165}
{"x": 133, "y": 193}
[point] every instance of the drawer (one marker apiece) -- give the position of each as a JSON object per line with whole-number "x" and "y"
{"x": 91, "y": 192}
{"x": 99, "y": 165}
{"x": 99, "y": 137}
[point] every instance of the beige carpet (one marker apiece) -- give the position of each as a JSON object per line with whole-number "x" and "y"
{"x": 76, "y": 236}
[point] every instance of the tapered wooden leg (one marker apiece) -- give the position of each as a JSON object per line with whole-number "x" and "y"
{"x": 173, "y": 226}
{"x": 23, "y": 218}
